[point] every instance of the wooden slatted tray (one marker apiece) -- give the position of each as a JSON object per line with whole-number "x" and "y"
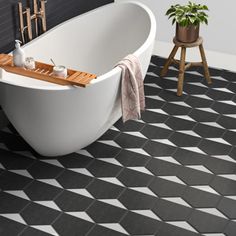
{"x": 44, "y": 72}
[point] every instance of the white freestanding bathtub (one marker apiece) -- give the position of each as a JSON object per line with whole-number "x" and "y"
{"x": 57, "y": 120}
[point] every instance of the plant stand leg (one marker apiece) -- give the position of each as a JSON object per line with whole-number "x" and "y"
{"x": 169, "y": 60}
{"x": 181, "y": 71}
{"x": 204, "y": 63}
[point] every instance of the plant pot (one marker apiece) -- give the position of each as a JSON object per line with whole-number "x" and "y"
{"x": 187, "y": 34}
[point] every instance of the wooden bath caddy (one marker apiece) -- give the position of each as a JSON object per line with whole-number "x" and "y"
{"x": 44, "y": 72}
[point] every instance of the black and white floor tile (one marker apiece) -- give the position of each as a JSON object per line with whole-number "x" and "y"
{"x": 172, "y": 173}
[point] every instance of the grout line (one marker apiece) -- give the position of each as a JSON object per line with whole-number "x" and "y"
{"x": 23, "y": 230}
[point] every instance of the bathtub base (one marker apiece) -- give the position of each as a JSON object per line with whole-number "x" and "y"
{"x": 61, "y": 150}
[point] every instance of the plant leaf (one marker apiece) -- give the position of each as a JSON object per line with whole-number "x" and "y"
{"x": 169, "y": 11}
{"x": 204, "y": 7}
{"x": 171, "y": 15}
{"x": 192, "y": 19}
{"x": 173, "y": 21}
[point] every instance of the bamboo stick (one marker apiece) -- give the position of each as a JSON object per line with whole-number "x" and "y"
{"x": 29, "y": 26}
{"x": 21, "y": 21}
{"x": 43, "y": 15}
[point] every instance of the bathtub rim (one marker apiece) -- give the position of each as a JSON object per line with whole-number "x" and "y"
{"x": 102, "y": 77}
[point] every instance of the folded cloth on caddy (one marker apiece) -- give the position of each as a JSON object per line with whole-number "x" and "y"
{"x": 132, "y": 89}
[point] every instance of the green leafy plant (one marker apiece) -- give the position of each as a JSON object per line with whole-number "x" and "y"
{"x": 189, "y": 14}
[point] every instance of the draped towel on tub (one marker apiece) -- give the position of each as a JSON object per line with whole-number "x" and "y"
{"x": 132, "y": 89}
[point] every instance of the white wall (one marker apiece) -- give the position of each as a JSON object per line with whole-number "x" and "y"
{"x": 219, "y": 35}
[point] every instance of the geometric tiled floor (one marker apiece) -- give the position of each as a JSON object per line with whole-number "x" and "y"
{"x": 173, "y": 173}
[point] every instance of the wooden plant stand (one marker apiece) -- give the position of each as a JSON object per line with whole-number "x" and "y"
{"x": 182, "y": 65}
{"x": 44, "y": 72}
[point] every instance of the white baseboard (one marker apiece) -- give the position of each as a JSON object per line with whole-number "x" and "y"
{"x": 214, "y": 59}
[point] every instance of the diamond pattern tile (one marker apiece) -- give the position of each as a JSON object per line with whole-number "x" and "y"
{"x": 171, "y": 173}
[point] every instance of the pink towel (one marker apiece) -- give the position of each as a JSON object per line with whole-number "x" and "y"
{"x": 132, "y": 90}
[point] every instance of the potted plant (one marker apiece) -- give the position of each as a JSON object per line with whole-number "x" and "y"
{"x": 188, "y": 19}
